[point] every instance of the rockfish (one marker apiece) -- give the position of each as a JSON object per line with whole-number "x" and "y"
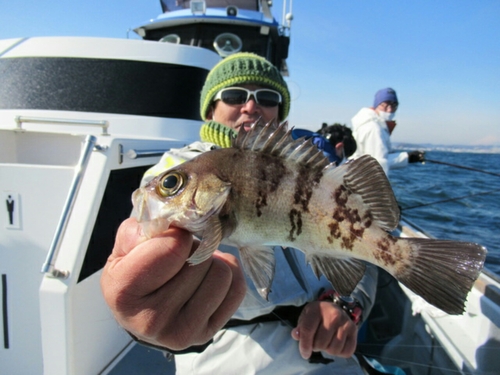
{"x": 270, "y": 190}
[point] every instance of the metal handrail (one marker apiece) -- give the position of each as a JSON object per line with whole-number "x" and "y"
{"x": 136, "y": 154}
{"x": 55, "y": 121}
{"x": 48, "y": 267}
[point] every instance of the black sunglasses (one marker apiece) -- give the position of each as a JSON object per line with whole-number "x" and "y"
{"x": 241, "y": 95}
{"x": 393, "y": 105}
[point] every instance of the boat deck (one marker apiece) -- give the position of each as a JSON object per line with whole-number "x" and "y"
{"x": 139, "y": 359}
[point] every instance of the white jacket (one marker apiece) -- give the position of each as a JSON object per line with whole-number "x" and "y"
{"x": 372, "y": 137}
{"x": 265, "y": 348}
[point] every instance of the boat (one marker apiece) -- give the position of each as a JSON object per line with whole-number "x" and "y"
{"x": 81, "y": 119}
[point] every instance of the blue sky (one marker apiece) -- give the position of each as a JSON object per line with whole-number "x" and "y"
{"x": 441, "y": 56}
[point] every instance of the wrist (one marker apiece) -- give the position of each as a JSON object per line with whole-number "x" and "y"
{"x": 349, "y": 304}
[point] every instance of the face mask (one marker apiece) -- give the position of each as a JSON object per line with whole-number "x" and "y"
{"x": 387, "y": 116}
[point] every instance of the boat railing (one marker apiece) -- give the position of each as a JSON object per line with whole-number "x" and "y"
{"x": 137, "y": 154}
{"x": 55, "y": 121}
{"x": 49, "y": 266}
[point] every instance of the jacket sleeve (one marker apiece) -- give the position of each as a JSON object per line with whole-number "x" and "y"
{"x": 366, "y": 290}
{"x": 397, "y": 160}
{"x": 374, "y": 145}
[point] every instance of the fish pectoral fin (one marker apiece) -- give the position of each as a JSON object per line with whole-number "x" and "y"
{"x": 343, "y": 274}
{"x": 259, "y": 263}
{"x": 212, "y": 236}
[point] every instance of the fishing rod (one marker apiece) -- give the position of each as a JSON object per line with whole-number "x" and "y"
{"x": 450, "y": 199}
{"x": 461, "y": 166}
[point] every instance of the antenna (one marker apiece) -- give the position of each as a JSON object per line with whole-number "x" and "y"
{"x": 287, "y": 17}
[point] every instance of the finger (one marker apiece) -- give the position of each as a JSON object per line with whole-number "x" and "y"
{"x": 212, "y": 304}
{"x": 343, "y": 343}
{"x": 154, "y": 261}
{"x": 127, "y": 237}
{"x": 324, "y": 338}
{"x": 129, "y": 282}
{"x": 308, "y": 323}
{"x": 234, "y": 295}
{"x": 155, "y": 313}
{"x": 349, "y": 345}
{"x": 333, "y": 319}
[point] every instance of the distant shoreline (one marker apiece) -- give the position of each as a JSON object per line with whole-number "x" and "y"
{"x": 482, "y": 149}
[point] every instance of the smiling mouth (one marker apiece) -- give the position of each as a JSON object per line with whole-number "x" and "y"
{"x": 246, "y": 125}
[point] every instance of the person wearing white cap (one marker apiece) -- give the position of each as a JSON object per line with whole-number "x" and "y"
{"x": 372, "y": 128}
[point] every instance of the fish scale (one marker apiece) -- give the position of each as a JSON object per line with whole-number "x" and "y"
{"x": 270, "y": 190}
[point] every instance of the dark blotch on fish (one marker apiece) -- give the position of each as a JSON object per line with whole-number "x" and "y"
{"x": 270, "y": 175}
{"x": 296, "y": 224}
{"x": 303, "y": 190}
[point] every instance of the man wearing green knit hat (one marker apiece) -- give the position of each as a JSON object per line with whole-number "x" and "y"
{"x": 238, "y": 90}
{"x": 211, "y": 316}
{"x": 244, "y": 69}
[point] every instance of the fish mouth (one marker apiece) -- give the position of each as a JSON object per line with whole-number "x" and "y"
{"x": 140, "y": 209}
{"x": 145, "y": 211}
{"x": 155, "y": 215}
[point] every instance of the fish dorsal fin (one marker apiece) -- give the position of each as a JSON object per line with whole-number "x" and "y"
{"x": 276, "y": 139}
{"x": 365, "y": 176}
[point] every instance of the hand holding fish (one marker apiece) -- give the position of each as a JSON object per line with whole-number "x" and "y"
{"x": 159, "y": 298}
{"x": 324, "y": 326}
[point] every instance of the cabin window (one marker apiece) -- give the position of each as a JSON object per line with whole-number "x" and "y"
{"x": 116, "y": 206}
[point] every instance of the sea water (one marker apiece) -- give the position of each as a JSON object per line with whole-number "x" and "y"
{"x": 448, "y": 202}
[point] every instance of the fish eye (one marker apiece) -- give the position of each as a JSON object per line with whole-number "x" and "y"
{"x": 170, "y": 184}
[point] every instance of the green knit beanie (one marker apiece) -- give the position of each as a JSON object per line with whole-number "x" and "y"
{"x": 240, "y": 69}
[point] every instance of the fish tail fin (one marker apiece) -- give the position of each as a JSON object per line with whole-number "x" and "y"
{"x": 443, "y": 272}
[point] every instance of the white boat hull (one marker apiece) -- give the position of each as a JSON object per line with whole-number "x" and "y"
{"x": 62, "y": 324}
